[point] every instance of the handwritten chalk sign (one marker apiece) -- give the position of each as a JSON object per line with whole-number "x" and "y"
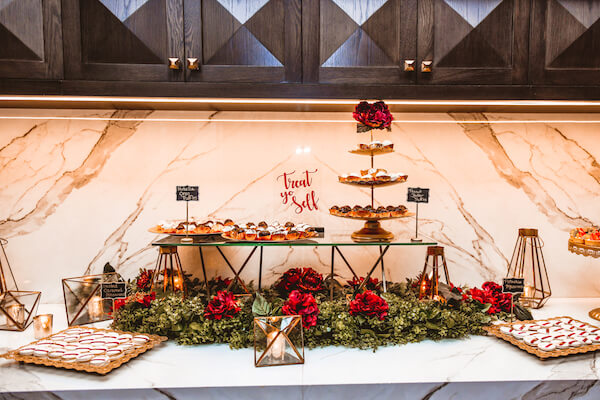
{"x": 418, "y": 195}
{"x": 187, "y": 193}
{"x": 113, "y": 290}
{"x": 513, "y": 285}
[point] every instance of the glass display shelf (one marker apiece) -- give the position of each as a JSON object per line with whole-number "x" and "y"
{"x": 328, "y": 239}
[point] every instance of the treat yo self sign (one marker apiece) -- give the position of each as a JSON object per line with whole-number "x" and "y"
{"x": 297, "y": 190}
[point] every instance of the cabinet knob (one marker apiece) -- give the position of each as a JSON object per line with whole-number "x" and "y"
{"x": 426, "y": 66}
{"x": 409, "y": 65}
{"x": 193, "y": 64}
{"x": 174, "y": 63}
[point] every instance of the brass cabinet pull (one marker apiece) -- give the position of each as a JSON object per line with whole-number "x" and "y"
{"x": 174, "y": 63}
{"x": 193, "y": 64}
{"x": 409, "y": 65}
{"x": 426, "y": 66}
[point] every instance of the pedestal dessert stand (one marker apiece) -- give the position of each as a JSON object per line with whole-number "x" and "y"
{"x": 587, "y": 251}
{"x": 372, "y": 230}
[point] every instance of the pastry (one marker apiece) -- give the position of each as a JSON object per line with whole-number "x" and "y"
{"x": 334, "y": 210}
{"x": 263, "y": 224}
{"x": 292, "y": 234}
{"x": 264, "y": 235}
{"x": 250, "y": 234}
{"x": 228, "y": 222}
{"x": 278, "y": 235}
{"x": 289, "y": 224}
{"x": 387, "y": 144}
{"x": 353, "y": 177}
{"x": 99, "y": 361}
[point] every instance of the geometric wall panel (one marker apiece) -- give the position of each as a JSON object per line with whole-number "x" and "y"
{"x": 243, "y": 32}
{"x": 473, "y": 34}
{"x": 358, "y": 33}
{"x": 126, "y": 32}
{"x": 21, "y": 30}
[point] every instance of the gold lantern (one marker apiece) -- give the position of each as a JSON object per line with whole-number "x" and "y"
{"x": 278, "y": 341}
{"x": 428, "y": 284}
{"x": 169, "y": 270}
{"x": 528, "y": 262}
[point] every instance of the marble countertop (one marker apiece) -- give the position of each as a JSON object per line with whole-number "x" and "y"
{"x": 475, "y": 359}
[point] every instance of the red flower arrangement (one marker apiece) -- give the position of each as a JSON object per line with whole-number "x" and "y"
{"x": 218, "y": 283}
{"x": 490, "y": 293}
{"x": 303, "y": 304}
{"x": 306, "y": 280}
{"x": 142, "y": 299}
{"x": 372, "y": 284}
{"x": 144, "y": 280}
{"x": 369, "y": 305}
{"x": 223, "y": 305}
{"x": 372, "y": 116}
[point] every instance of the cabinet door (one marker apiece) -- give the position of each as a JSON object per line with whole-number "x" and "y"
{"x": 243, "y": 40}
{"x": 565, "y": 42}
{"x": 128, "y": 40}
{"x": 30, "y": 39}
{"x": 359, "y": 41}
{"x": 473, "y": 41}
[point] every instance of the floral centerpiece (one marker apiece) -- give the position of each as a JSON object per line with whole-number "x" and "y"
{"x": 372, "y": 116}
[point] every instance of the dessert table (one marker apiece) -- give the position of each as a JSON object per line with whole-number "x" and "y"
{"x": 432, "y": 370}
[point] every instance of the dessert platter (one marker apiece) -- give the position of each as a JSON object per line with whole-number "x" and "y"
{"x": 274, "y": 232}
{"x": 85, "y": 349}
{"x": 194, "y": 228}
{"x": 373, "y": 176}
{"x": 374, "y": 147}
{"x": 370, "y": 213}
{"x": 547, "y": 338}
{"x": 585, "y": 241}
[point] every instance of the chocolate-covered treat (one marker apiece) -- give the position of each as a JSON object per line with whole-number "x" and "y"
{"x": 264, "y": 235}
{"x": 289, "y": 224}
{"x": 278, "y": 235}
{"x": 228, "y": 222}
{"x": 263, "y": 224}
{"x": 292, "y": 234}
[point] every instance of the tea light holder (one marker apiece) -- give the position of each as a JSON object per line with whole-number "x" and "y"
{"x": 278, "y": 341}
{"x": 42, "y": 325}
{"x": 17, "y": 308}
{"x": 429, "y": 282}
{"x": 83, "y": 301}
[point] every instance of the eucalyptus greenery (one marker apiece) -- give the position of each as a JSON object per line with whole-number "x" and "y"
{"x": 408, "y": 320}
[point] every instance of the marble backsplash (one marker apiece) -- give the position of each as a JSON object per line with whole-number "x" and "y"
{"x": 79, "y": 188}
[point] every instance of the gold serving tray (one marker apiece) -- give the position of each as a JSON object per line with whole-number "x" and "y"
{"x": 154, "y": 230}
{"x": 543, "y": 355}
{"x": 408, "y": 214}
{"x": 269, "y": 241}
{"x": 584, "y": 249}
{"x": 371, "y": 152}
{"x": 375, "y": 183}
{"x": 86, "y": 367}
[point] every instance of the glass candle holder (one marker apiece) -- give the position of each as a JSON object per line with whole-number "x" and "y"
{"x": 42, "y": 325}
{"x": 83, "y": 301}
{"x": 278, "y": 341}
{"x": 17, "y": 308}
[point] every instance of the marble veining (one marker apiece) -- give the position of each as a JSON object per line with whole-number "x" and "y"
{"x": 75, "y": 194}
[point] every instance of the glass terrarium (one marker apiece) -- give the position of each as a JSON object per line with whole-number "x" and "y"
{"x": 17, "y": 309}
{"x": 83, "y": 298}
{"x": 278, "y": 341}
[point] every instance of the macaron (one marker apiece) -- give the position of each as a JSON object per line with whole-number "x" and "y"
{"x": 520, "y": 334}
{"x": 531, "y": 340}
{"x": 84, "y": 357}
{"x": 57, "y": 353}
{"x": 26, "y": 351}
{"x": 99, "y": 361}
{"x": 546, "y": 346}
{"x": 70, "y": 356}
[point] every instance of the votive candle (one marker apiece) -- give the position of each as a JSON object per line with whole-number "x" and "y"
{"x": 42, "y": 325}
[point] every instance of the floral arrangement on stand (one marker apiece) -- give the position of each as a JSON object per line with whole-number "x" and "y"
{"x": 363, "y": 320}
{"x": 372, "y": 116}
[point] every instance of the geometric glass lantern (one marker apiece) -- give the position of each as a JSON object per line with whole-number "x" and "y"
{"x": 83, "y": 301}
{"x": 528, "y": 262}
{"x": 17, "y": 307}
{"x": 277, "y": 340}
{"x": 168, "y": 272}
{"x": 429, "y": 282}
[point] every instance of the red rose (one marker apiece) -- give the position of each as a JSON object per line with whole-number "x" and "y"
{"x": 306, "y": 280}
{"x": 490, "y": 293}
{"x": 369, "y": 305}
{"x": 144, "y": 280}
{"x": 376, "y": 115}
{"x": 119, "y": 303}
{"x": 303, "y": 304}
{"x": 218, "y": 283}
{"x": 491, "y": 286}
{"x": 222, "y": 305}
{"x": 372, "y": 284}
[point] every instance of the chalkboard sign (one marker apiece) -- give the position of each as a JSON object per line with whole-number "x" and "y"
{"x": 113, "y": 290}
{"x": 513, "y": 285}
{"x": 187, "y": 193}
{"x": 418, "y": 195}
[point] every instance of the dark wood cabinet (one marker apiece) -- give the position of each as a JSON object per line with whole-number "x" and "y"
{"x": 121, "y": 40}
{"x": 359, "y": 41}
{"x": 30, "y": 39}
{"x": 473, "y": 42}
{"x": 243, "y": 41}
{"x": 565, "y": 42}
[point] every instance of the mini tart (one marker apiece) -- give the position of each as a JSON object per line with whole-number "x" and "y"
{"x": 263, "y": 224}
{"x": 334, "y": 210}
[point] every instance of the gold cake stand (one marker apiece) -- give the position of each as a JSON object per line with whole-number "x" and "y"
{"x": 587, "y": 251}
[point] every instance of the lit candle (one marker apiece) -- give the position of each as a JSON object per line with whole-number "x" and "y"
{"x": 42, "y": 326}
{"x": 528, "y": 291}
{"x": 177, "y": 283}
{"x": 95, "y": 307}
{"x": 277, "y": 350}
{"x": 17, "y": 313}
